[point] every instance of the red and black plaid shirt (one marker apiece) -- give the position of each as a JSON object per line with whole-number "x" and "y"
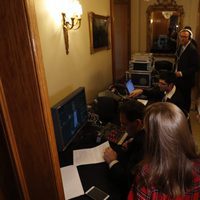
{"x": 144, "y": 193}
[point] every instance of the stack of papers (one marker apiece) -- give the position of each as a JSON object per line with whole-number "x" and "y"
{"x": 70, "y": 177}
{"x": 71, "y": 182}
{"x": 90, "y": 156}
{"x": 143, "y": 101}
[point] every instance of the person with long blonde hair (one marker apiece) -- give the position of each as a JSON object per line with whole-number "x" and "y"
{"x": 171, "y": 165}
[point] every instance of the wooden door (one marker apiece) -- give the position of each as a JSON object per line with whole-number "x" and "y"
{"x": 34, "y": 166}
{"x": 120, "y": 13}
{"x": 12, "y": 180}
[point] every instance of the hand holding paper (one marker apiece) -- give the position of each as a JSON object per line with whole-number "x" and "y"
{"x": 90, "y": 156}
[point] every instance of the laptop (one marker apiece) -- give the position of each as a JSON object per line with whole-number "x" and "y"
{"x": 129, "y": 86}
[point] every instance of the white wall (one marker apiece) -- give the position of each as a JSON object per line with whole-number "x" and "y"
{"x": 65, "y": 73}
{"x": 138, "y": 20}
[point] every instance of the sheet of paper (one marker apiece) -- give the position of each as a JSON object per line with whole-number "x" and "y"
{"x": 71, "y": 182}
{"x": 143, "y": 101}
{"x": 90, "y": 156}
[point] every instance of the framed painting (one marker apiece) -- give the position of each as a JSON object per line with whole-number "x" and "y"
{"x": 99, "y": 28}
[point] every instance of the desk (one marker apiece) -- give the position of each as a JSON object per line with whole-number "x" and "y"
{"x": 93, "y": 174}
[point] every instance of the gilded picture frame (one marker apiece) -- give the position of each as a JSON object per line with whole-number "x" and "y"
{"x": 99, "y": 29}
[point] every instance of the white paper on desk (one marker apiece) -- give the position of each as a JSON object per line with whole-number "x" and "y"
{"x": 71, "y": 182}
{"x": 143, "y": 101}
{"x": 90, "y": 156}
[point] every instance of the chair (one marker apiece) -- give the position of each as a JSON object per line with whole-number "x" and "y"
{"x": 107, "y": 109}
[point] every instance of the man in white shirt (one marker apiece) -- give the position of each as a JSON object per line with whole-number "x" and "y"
{"x": 167, "y": 91}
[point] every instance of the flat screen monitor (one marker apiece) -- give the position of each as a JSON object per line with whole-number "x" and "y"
{"x": 141, "y": 79}
{"x": 69, "y": 116}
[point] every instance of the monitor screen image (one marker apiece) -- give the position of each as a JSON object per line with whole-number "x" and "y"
{"x": 141, "y": 79}
{"x": 69, "y": 116}
{"x": 129, "y": 85}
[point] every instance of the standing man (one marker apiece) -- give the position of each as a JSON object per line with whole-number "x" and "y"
{"x": 186, "y": 65}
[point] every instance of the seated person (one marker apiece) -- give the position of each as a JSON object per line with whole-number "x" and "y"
{"x": 122, "y": 161}
{"x": 171, "y": 166}
{"x": 167, "y": 91}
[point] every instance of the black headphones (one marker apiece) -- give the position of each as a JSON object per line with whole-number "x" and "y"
{"x": 189, "y": 31}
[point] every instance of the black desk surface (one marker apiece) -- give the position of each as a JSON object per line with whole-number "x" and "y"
{"x": 93, "y": 174}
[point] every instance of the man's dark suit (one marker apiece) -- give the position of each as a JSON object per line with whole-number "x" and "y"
{"x": 187, "y": 63}
{"x": 156, "y": 95}
{"x": 178, "y": 100}
{"x": 121, "y": 171}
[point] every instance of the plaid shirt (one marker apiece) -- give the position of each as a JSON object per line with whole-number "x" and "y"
{"x": 144, "y": 193}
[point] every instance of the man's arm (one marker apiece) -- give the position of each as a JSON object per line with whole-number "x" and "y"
{"x": 119, "y": 174}
{"x": 135, "y": 93}
{"x": 151, "y": 94}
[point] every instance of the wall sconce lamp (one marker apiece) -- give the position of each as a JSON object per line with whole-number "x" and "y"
{"x": 72, "y": 21}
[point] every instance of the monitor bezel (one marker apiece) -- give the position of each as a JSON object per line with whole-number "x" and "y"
{"x": 61, "y": 144}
